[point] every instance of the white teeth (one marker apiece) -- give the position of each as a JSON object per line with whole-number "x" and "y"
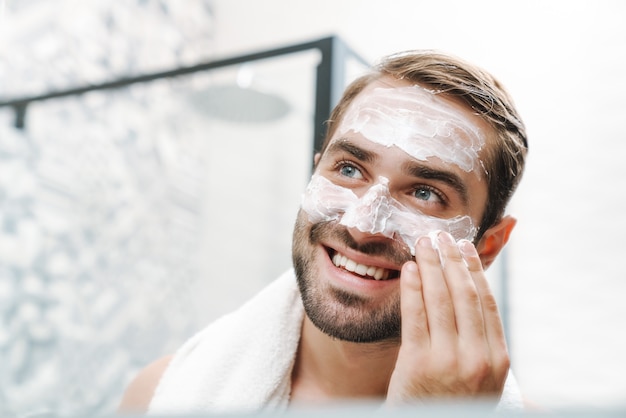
{"x": 361, "y": 269}
{"x": 377, "y": 273}
{"x": 350, "y": 265}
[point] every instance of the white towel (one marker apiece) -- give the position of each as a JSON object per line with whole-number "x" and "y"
{"x": 243, "y": 361}
{"x": 240, "y": 363}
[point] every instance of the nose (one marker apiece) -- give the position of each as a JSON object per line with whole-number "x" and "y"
{"x": 365, "y": 236}
{"x": 370, "y": 213}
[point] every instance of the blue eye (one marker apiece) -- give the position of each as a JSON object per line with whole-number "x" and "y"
{"x": 426, "y": 194}
{"x": 350, "y": 171}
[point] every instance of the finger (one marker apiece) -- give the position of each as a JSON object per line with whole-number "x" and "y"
{"x": 494, "y": 330}
{"x": 463, "y": 292}
{"x": 414, "y": 320}
{"x": 437, "y": 302}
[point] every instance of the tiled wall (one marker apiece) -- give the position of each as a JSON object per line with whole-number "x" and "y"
{"x": 100, "y": 201}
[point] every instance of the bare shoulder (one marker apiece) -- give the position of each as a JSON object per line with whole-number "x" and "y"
{"x": 139, "y": 392}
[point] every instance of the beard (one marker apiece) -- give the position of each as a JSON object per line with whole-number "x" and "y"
{"x": 336, "y": 312}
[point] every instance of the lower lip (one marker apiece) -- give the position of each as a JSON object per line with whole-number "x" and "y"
{"x": 345, "y": 279}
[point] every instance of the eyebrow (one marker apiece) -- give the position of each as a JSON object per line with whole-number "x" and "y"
{"x": 447, "y": 177}
{"x": 412, "y": 168}
{"x": 357, "y": 152}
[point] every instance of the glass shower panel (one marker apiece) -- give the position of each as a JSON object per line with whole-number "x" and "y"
{"x": 131, "y": 218}
{"x": 258, "y": 160}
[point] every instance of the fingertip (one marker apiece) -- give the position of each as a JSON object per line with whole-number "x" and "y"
{"x": 467, "y": 248}
{"x": 410, "y": 267}
{"x": 470, "y": 255}
{"x": 410, "y": 285}
{"x": 425, "y": 241}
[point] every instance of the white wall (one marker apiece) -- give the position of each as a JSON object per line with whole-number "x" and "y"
{"x": 564, "y": 62}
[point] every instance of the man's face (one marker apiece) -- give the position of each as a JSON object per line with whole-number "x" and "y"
{"x": 402, "y": 163}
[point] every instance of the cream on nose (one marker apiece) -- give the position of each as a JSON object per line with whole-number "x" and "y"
{"x": 372, "y": 211}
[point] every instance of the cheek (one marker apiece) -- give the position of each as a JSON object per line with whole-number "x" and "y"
{"x": 301, "y": 231}
{"x": 323, "y": 201}
{"x": 410, "y": 227}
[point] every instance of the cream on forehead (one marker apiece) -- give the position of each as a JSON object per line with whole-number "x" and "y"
{"x": 377, "y": 212}
{"x": 416, "y": 121}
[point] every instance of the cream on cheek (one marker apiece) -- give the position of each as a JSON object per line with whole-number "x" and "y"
{"x": 377, "y": 212}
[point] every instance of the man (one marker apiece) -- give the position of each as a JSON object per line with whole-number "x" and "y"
{"x": 388, "y": 299}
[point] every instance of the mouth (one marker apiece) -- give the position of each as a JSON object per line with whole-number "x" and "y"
{"x": 362, "y": 270}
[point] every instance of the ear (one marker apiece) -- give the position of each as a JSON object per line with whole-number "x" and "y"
{"x": 316, "y": 158}
{"x": 494, "y": 239}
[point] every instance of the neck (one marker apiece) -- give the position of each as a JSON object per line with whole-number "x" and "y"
{"x": 329, "y": 369}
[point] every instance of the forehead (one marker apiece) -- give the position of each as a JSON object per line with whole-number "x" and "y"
{"x": 420, "y": 122}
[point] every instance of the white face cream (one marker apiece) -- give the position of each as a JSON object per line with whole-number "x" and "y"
{"x": 418, "y": 122}
{"x": 377, "y": 212}
{"x": 422, "y": 125}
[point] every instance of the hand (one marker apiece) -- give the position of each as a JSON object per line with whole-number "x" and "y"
{"x": 452, "y": 338}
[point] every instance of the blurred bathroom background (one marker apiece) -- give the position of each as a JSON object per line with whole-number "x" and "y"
{"x": 131, "y": 217}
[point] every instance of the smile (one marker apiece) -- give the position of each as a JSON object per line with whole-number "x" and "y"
{"x": 368, "y": 272}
